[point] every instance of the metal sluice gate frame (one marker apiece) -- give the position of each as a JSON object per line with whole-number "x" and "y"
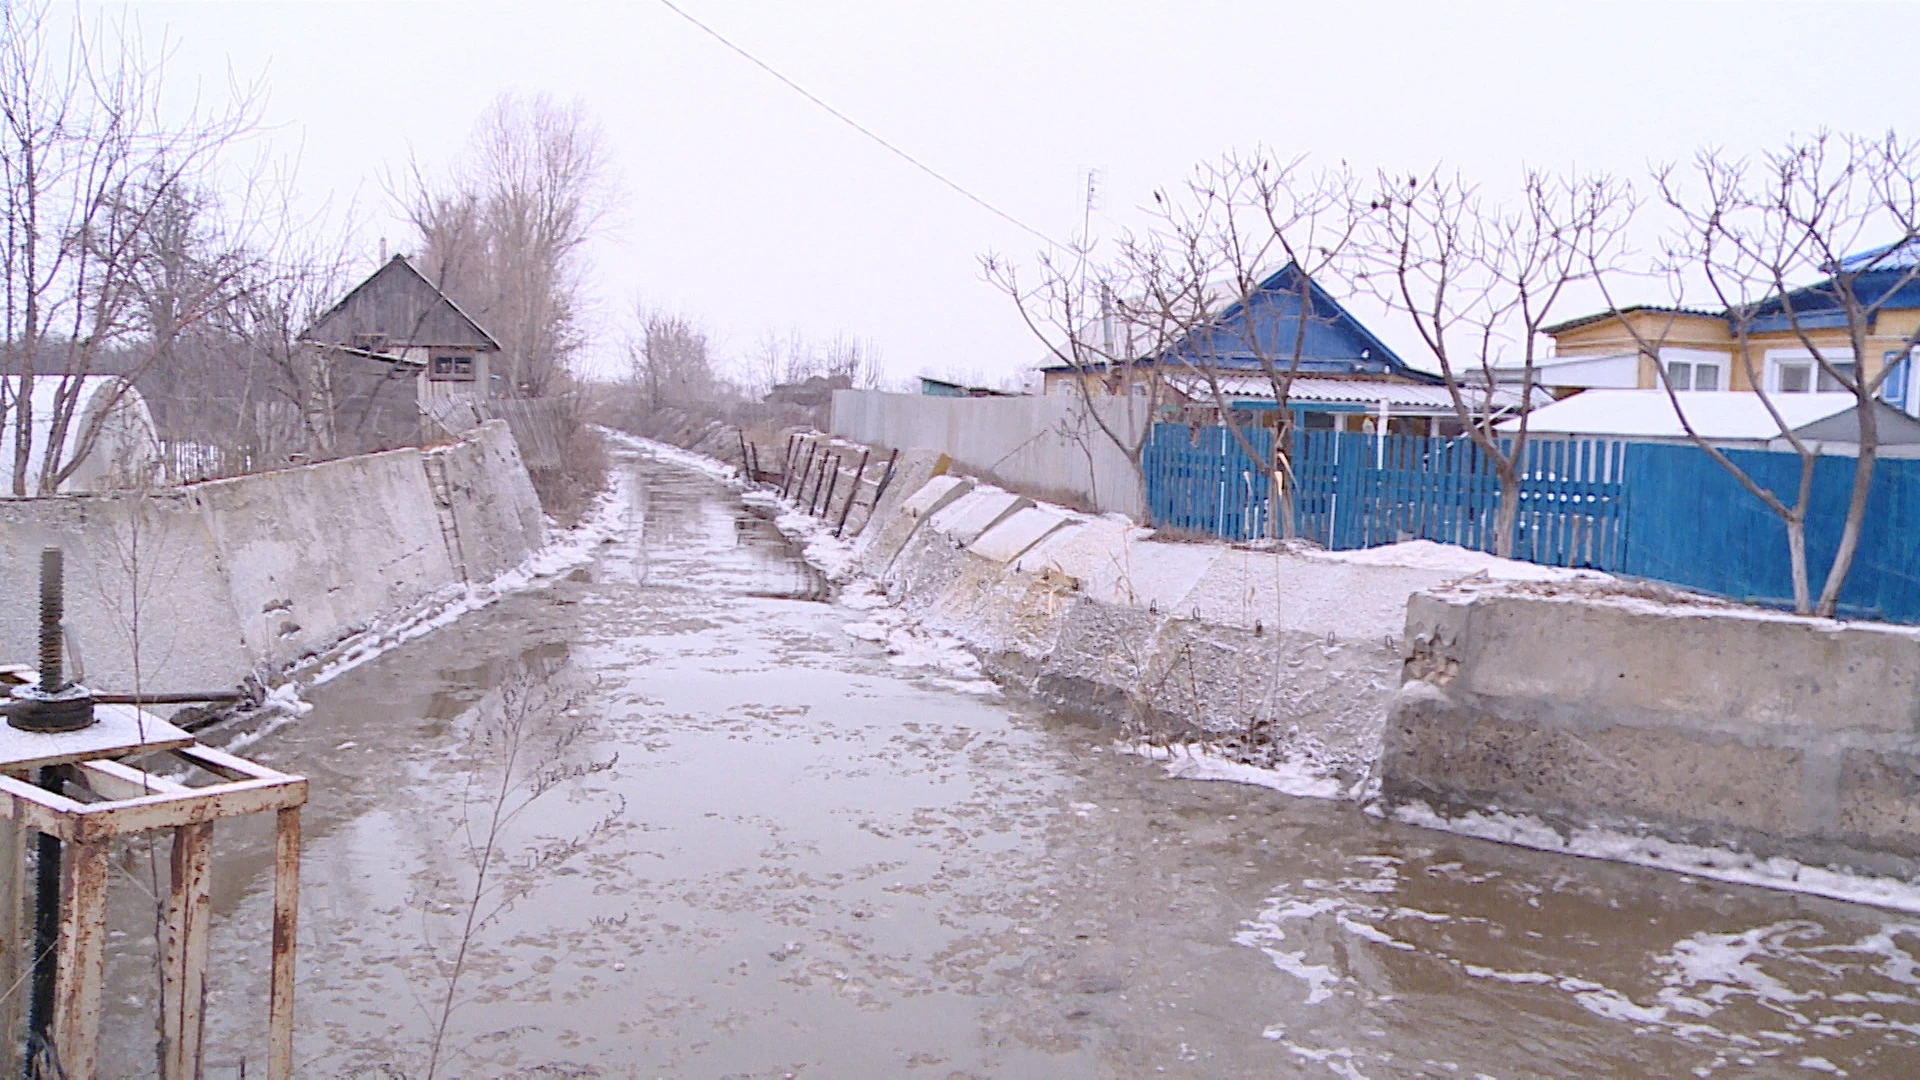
{"x": 64, "y": 781}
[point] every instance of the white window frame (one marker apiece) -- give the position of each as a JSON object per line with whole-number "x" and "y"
{"x": 1695, "y": 359}
{"x": 1777, "y": 357}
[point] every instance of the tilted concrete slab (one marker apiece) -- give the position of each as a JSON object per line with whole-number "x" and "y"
{"x": 965, "y": 519}
{"x": 1278, "y": 590}
{"x": 1011, "y": 538}
{"x": 1115, "y": 566}
{"x": 911, "y": 471}
{"x": 885, "y": 545}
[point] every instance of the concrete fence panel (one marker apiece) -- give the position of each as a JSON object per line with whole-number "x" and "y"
{"x": 1048, "y": 447}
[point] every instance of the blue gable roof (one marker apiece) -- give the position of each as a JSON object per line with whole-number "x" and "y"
{"x": 1818, "y": 305}
{"x": 1270, "y": 322}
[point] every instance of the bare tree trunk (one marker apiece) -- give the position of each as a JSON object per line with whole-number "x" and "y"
{"x": 1856, "y": 517}
{"x": 1505, "y": 521}
{"x": 1797, "y": 552}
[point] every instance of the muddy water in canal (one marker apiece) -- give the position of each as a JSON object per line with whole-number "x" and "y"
{"x": 760, "y": 849}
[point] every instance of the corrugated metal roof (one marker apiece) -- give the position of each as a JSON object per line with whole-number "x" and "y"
{"x": 1651, "y": 309}
{"x": 1715, "y": 414}
{"x": 1402, "y": 398}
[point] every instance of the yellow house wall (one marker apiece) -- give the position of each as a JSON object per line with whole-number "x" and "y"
{"x": 1892, "y": 331}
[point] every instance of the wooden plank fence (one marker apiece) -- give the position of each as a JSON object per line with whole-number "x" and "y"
{"x": 1352, "y": 491}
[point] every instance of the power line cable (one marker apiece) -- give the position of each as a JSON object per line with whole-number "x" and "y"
{"x": 862, "y": 129}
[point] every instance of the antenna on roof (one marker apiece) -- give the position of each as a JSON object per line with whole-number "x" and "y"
{"x": 383, "y": 251}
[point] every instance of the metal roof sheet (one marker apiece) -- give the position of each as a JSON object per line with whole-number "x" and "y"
{"x": 1649, "y": 414}
{"x": 1400, "y": 397}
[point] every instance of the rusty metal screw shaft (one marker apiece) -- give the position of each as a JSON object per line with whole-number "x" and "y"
{"x": 52, "y": 612}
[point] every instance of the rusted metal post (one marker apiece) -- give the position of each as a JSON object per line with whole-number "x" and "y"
{"x": 859, "y": 477}
{"x": 286, "y": 914}
{"x": 753, "y": 448}
{"x": 833, "y": 481}
{"x": 887, "y": 479}
{"x": 786, "y": 465}
{"x": 801, "y": 481}
{"x": 812, "y": 474}
{"x": 183, "y": 969}
{"x": 13, "y": 941}
{"x": 746, "y": 465}
{"x": 79, "y": 959}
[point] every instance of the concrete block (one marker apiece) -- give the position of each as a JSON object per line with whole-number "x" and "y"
{"x": 879, "y": 549}
{"x": 1705, "y": 724}
{"x": 1464, "y": 756}
{"x": 1116, "y": 567}
{"x": 911, "y": 471}
{"x": 963, "y": 520}
{"x": 257, "y": 571}
{"x": 1006, "y": 541}
{"x": 1725, "y": 669}
{"x": 312, "y": 553}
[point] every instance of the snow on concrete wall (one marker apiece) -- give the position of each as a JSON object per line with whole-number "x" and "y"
{"x": 229, "y": 577}
{"x": 1047, "y": 447}
{"x": 1092, "y": 614}
{"x": 1700, "y": 723}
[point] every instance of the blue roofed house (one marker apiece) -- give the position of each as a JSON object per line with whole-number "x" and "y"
{"x": 1342, "y": 376}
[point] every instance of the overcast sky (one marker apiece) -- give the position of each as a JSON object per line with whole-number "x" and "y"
{"x": 752, "y": 210}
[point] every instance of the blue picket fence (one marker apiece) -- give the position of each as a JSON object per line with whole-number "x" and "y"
{"x": 1359, "y": 491}
{"x": 1664, "y": 512}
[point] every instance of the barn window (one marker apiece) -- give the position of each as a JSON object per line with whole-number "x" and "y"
{"x": 451, "y": 368}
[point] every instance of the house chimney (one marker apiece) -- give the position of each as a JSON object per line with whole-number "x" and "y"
{"x": 383, "y": 251}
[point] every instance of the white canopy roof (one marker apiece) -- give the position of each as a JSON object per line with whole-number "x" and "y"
{"x": 1402, "y": 399}
{"x": 1716, "y": 415}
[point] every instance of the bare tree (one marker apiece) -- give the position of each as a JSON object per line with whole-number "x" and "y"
{"x": 1114, "y": 351}
{"x": 671, "y": 361}
{"x": 1747, "y": 233}
{"x": 1205, "y": 275}
{"x": 505, "y": 237}
{"x": 1477, "y": 281}
{"x": 98, "y": 182}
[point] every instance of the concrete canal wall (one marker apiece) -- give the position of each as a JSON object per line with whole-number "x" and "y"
{"x": 1582, "y": 702}
{"x": 1700, "y": 723}
{"x": 1297, "y": 653}
{"x": 226, "y": 578}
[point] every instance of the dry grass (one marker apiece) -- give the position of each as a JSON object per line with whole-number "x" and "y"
{"x": 566, "y": 490}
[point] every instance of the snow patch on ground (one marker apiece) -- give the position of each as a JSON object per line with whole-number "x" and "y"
{"x": 1295, "y": 776}
{"x": 671, "y": 454}
{"x": 1718, "y": 864}
{"x": 1428, "y": 555}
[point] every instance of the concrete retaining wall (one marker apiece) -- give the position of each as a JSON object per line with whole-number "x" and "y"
{"x": 223, "y": 579}
{"x": 1298, "y": 653}
{"x": 1705, "y": 724}
{"x": 1047, "y": 447}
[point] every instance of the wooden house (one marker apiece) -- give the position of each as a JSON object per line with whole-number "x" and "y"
{"x": 401, "y": 354}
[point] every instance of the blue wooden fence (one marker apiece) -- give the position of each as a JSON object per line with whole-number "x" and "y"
{"x": 1358, "y": 491}
{"x": 1691, "y": 523}
{"x": 1664, "y": 512}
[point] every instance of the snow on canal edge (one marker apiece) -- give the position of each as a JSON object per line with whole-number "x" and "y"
{"x": 911, "y": 644}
